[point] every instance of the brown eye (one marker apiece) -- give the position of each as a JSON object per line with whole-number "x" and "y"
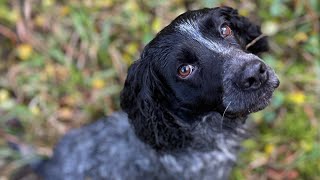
{"x": 185, "y": 70}
{"x": 226, "y": 31}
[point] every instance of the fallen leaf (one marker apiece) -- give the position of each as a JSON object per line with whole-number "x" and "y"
{"x": 98, "y": 84}
{"x": 300, "y": 37}
{"x": 65, "y": 113}
{"x": 297, "y": 97}
{"x": 24, "y": 51}
{"x": 4, "y": 95}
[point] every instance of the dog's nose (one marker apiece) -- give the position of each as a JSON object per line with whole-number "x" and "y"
{"x": 254, "y": 75}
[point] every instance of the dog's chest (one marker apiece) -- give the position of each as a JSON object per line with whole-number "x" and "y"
{"x": 198, "y": 165}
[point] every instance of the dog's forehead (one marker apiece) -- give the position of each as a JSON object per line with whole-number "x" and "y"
{"x": 190, "y": 28}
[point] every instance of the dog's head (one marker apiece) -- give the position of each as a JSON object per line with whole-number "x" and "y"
{"x": 204, "y": 61}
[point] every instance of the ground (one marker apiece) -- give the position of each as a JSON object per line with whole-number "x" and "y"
{"x": 63, "y": 63}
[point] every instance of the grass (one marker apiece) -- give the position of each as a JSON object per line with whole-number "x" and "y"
{"x": 63, "y": 63}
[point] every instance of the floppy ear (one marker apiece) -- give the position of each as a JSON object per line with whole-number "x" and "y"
{"x": 141, "y": 99}
{"x": 137, "y": 91}
{"x": 248, "y": 33}
{"x": 136, "y": 99}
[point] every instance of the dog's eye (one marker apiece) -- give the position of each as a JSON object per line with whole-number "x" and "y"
{"x": 226, "y": 31}
{"x": 185, "y": 70}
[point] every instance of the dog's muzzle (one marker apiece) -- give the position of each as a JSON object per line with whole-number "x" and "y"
{"x": 253, "y": 75}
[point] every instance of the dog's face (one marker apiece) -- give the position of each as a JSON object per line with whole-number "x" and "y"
{"x": 202, "y": 64}
{"x": 198, "y": 64}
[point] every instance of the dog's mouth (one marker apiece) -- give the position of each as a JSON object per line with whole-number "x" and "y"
{"x": 241, "y": 104}
{"x": 244, "y": 113}
{"x": 240, "y": 113}
{"x": 231, "y": 115}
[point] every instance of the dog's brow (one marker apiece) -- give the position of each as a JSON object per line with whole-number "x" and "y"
{"x": 193, "y": 30}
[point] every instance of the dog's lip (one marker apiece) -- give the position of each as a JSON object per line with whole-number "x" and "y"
{"x": 239, "y": 117}
{"x": 277, "y": 83}
{"x": 245, "y": 112}
{"x": 235, "y": 115}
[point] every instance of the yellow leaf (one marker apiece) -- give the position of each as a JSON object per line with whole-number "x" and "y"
{"x": 105, "y": 3}
{"x": 98, "y": 83}
{"x": 244, "y": 12}
{"x": 65, "y": 113}
{"x": 4, "y": 95}
{"x": 35, "y": 110}
{"x": 156, "y": 25}
{"x": 297, "y": 97}
{"x": 306, "y": 146}
{"x": 24, "y": 51}
{"x": 132, "y": 48}
{"x": 65, "y": 10}
{"x": 69, "y": 100}
{"x": 40, "y": 20}
{"x": 127, "y": 58}
{"x": 269, "y": 148}
{"x": 48, "y": 2}
{"x": 131, "y": 6}
{"x": 49, "y": 70}
{"x": 300, "y": 37}
{"x": 13, "y": 15}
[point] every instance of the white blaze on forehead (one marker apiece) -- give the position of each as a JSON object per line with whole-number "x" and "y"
{"x": 192, "y": 29}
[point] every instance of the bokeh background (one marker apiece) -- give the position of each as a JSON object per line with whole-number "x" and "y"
{"x": 63, "y": 64}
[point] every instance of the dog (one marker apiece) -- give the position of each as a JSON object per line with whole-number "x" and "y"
{"x": 185, "y": 102}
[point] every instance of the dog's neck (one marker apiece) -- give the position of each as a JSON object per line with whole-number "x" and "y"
{"x": 209, "y": 132}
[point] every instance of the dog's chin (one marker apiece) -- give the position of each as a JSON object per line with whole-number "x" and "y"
{"x": 242, "y": 113}
{"x": 236, "y": 116}
{"x": 235, "y": 111}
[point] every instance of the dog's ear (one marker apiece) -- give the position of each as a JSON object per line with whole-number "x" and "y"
{"x": 248, "y": 33}
{"x": 141, "y": 99}
{"x": 137, "y": 88}
{"x": 138, "y": 101}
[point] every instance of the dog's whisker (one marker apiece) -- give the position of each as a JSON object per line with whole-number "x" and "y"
{"x": 224, "y": 112}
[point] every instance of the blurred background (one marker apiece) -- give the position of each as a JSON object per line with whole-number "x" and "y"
{"x": 63, "y": 64}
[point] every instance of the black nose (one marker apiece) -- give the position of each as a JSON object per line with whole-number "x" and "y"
{"x": 254, "y": 75}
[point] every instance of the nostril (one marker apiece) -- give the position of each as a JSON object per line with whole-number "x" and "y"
{"x": 263, "y": 68}
{"x": 253, "y": 76}
{"x": 251, "y": 82}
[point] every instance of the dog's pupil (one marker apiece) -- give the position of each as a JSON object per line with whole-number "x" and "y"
{"x": 226, "y": 31}
{"x": 184, "y": 70}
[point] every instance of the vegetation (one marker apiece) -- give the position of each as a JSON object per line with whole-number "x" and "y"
{"x": 63, "y": 63}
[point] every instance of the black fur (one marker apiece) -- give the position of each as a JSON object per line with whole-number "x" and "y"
{"x": 179, "y": 128}
{"x": 246, "y": 31}
{"x": 157, "y": 113}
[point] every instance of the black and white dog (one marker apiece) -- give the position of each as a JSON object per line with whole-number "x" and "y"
{"x": 185, "y": 102}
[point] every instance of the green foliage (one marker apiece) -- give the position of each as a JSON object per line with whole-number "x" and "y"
{"x": 63, "y": 63}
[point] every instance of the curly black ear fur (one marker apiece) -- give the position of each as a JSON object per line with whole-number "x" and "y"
{"x": 246, "y": 31}
{"x": 141, "y": 99}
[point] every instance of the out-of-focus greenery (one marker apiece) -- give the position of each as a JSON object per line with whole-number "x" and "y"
{"x": 63, "y": 63}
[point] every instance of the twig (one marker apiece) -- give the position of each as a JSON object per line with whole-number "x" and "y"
{"x": 255, "y": 40}
{"x": 6, "y": 32}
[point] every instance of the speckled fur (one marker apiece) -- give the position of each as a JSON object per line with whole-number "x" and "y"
{"x": 173, "y": 128}
{"x": 112, "y": 157}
